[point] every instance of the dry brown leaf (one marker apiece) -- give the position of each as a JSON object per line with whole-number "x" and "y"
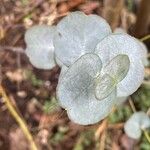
{"x": 112, "y": 11}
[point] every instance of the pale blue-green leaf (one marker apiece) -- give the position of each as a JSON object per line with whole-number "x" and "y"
{"x": 76, "y": 36}
{"x": 144, "y": 50}
{"x": 105, "y": 85}
{"x": 90, "y": 110}
{"x": 78, "y": 79}
{"x": 116, "y": 44}
{"x": 136, "y": 123}
{"x": 76, "y": 88}
{"x": 118, "y": 67}
{"x": 40, "y": 49}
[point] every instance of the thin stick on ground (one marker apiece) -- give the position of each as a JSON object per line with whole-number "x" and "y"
{"x": 145, "y": 38}
{"x": 103, "y": 140}
{"x": 11, "y": 48}
{"x": 132, "y": 105}
{"x": 101, "y": 128}
{"x": 18, "y": 119}
{"x": 147, "y": 136}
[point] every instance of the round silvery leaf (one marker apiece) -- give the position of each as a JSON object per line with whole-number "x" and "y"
{"x": 76, "y": 81}
{"x": 78, "y": 34}
{"x": 118, "y": 67}
{"x": 138, "y": 121}
{"x": 75, "y": 91}
{"x": 105, "y": 85}
{"x": 90, "y": 110}
{"x": 116, "y": 44}
{"x": 144, "y": 50}
{"x": 40, "y": 49}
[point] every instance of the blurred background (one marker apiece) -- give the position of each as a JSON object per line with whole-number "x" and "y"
{"x": 32, "y": 91}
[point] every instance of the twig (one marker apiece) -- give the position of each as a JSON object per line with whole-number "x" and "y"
{"x": 18, "y": 119}
{"x": 101, "y": 128}
{"x": 145, "y": 38}
{"x": 116, "y": 126}
{"x": 148, "y": 55}
{"x": 146, "y": 135}
{"x": 102, "y": 140}
{"x": 132, "y": 105}
{"x": 11, "y": 48}
{"x": 146, "y": 82}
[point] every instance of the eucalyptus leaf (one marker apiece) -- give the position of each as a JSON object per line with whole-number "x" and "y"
{"x": 90, "y": 111}
{"x": 136, "y": 123}
{"x": 76, "y": 36}
{"x": 118, "y": 67}
{"x": 117, "y": 44}
{"x": 40, "y": 49}
{"x": 76, "y": 94}
{"x": 105, "y": 85}
{"x": 143, "y": 50}
{"x": 76, "y": 81}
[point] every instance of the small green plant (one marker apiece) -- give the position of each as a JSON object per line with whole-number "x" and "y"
{"x": 98, "y": 67}
{"x": 50, "y": 105}
{"x": 137, "y": 122}
{"x": 33, "y": 78}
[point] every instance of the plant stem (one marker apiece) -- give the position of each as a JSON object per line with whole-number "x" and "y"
{"x": 132, "y": 105}
{"x": 146, "y": 135}
{"x": 18, "y": 119}
{"x": 145, "y": 38}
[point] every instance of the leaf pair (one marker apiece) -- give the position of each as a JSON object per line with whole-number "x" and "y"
{"x": 136, "y": 123}
{"x": 82, "y": 90}
{"x": 115, "y": 71}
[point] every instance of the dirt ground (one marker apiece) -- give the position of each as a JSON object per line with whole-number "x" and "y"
{"x": 32, "y": 91}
